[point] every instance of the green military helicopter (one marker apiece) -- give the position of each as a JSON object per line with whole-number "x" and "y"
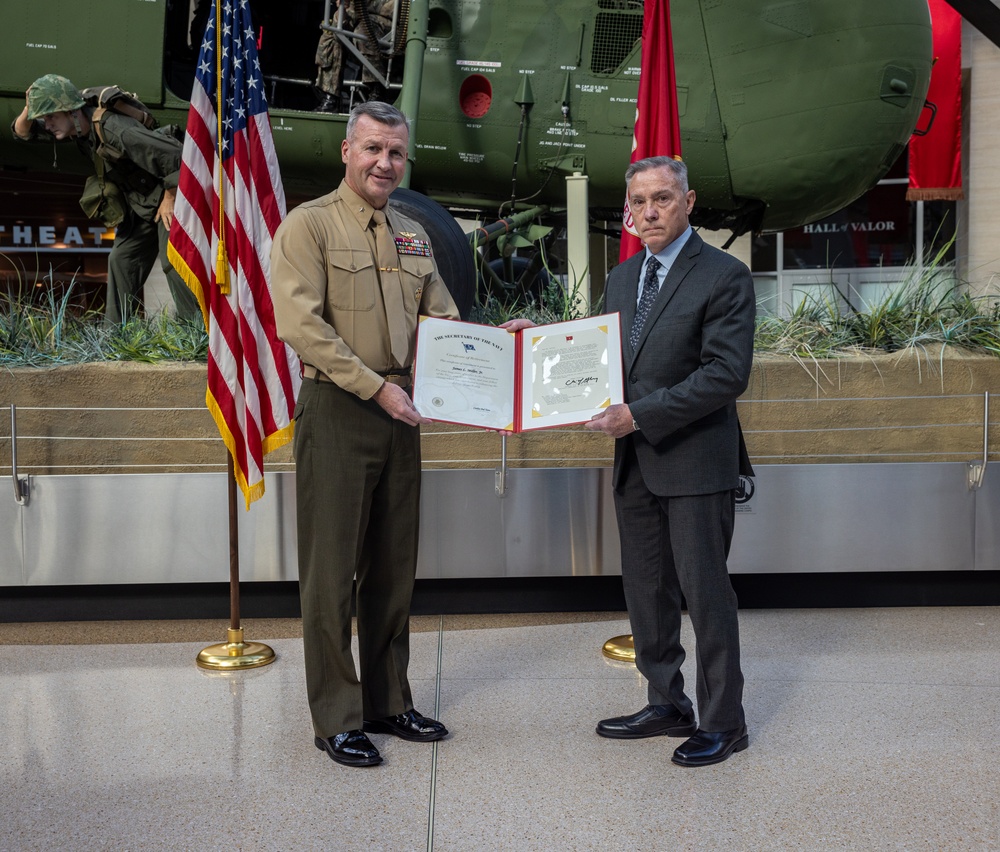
{"x": 788, "y": 110}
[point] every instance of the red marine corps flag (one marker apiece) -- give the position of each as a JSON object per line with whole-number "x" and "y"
{"x": 936, "y": 158}
{"x": 229, "y": 204}
{"x": 657, "y": 127}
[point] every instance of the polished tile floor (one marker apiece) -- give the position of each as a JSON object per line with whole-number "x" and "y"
{"x": 870, "y": 729}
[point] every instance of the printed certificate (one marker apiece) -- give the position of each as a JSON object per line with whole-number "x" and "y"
{"x": 550, "y": 375}
{"x": 464, "y": 373}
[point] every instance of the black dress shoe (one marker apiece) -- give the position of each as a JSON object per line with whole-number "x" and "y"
{"x": 408, "y": 726}
{"x": 351, "y": 748}
{"x": 654, "y": 720}
{"x": 708, "y": 747}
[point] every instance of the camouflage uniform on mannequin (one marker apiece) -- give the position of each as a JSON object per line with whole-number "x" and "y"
{"x": 133, "y": 186}
{"x": 380, "y": 18}
{"x": 329, "y": 69}
{"x": 330, "y": 53}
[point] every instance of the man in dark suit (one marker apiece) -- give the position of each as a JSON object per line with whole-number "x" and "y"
{"x": 687, "y": 312}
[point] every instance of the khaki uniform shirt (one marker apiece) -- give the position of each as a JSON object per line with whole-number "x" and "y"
{"x": 328, "y": 302}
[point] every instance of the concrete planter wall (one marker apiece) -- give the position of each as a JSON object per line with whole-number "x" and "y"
{"x": 135, "y": 418}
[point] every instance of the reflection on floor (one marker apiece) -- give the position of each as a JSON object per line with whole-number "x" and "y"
{"x": 870, "y": 729}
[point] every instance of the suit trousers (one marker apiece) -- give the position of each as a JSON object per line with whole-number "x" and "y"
{"x": 357, "y": 489}
{"x": 674, "y": 546}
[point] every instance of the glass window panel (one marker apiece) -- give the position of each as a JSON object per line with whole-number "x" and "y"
{"x": 875, "y": 230}
{"x": 764, "y": 253}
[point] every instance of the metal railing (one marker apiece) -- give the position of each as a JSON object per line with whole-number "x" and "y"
{"x": 20, "y": 482}
{"x": 490, "y": 449}
{"x": 557, "y": 512}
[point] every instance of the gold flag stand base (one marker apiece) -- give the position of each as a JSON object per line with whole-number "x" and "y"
{"x": 620, "y": 648}
{"x": 235, "y": 654}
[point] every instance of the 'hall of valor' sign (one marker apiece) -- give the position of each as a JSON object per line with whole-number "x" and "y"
{"x": 842, "y": 227}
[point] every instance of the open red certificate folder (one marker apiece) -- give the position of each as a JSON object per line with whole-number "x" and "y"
{"x": 548, "y": 375}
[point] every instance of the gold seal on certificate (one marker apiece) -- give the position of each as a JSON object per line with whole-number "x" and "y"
{"x": 548, "y": 375}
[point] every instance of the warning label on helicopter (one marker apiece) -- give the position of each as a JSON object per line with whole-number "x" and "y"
{"x": 467, "y": 157}
{"x": 473, "y": 65}
{"x": 547, "y": 143}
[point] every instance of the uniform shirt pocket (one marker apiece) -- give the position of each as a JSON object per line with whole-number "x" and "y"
{"x": 416, "y": 273}
{"x": 351, "y": 280}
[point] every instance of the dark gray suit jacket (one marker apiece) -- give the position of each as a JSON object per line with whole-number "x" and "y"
{"x": 691, "y": 363}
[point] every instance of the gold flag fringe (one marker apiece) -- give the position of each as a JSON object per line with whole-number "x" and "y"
{"x": 947, "y": 193}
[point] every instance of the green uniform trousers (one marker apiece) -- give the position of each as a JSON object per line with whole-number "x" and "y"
{"x": 137, "y": 245}
{"x": 357, "y": 475}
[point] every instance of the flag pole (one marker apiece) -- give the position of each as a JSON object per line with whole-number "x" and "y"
{"x": 234, "y": 654}
{"x": 251, "y": 389}
{"x": 657, "y": 132}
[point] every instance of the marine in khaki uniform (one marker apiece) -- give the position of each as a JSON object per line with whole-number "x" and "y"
{"x": 349, "y": 278}
{"x": 139, "y": 166}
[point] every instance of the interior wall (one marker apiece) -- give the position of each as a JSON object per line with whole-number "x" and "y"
{"x": 982, "y": 183}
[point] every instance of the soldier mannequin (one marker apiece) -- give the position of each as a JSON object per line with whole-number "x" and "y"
{"x": 145, "y": 175}
{"x": 330, "y": 53}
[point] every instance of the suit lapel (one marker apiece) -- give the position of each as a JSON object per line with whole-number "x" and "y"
{"x": 683, "y": 264}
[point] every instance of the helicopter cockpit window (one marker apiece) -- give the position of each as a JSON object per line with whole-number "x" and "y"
{"x": 615, "y": 35}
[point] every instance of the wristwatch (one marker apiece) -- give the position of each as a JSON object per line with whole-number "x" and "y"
{"x": 635, "y": 426}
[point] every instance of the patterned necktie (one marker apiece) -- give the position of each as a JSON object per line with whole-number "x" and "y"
{"x": 392, "y": 288}
{"x": 650, "y": 287}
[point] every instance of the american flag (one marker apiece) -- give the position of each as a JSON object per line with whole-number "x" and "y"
{"x": 253, "y": 376}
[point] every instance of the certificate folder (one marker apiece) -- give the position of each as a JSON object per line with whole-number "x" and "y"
{"x": 490, "y": 378}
